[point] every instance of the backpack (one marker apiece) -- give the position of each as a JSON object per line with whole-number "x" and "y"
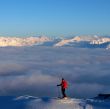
{"x": 64, "y": 84}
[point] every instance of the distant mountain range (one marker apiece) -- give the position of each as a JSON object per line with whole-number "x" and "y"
{"x": 76, "y": 41}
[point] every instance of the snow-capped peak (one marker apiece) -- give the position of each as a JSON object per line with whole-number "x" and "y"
{"x": 77, "y": 41}
{"x": 18, "y": 41}
{"x": 100, "y": 40}
{"x": 91, "y": 40}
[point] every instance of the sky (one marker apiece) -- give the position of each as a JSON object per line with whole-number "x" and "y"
{"x": 54, "y": 17}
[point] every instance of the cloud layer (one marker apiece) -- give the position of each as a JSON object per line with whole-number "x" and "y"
{"x": 37, "y": 70}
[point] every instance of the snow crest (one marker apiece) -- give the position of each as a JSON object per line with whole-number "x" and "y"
{"x": 32, "y": 102}
{"x": 55, "y": 103}
{"x": 77, "y": 41}
{"x": 93, "y": 40}
{"x": 17, "y": 41}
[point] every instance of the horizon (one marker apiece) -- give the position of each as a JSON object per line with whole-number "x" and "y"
{"x": 54, "y": 37}
{"x": 54, "y": 17}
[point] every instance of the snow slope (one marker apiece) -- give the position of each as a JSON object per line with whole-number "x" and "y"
{"x": 31, "y": 102}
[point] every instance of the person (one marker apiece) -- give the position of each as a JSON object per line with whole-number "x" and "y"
{"x": 64, "y": 86}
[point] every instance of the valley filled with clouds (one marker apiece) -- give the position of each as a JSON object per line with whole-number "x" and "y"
{"x": 36, "y": 70}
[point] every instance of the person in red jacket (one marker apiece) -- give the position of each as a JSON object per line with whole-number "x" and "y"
{"x": 63, "y": 85}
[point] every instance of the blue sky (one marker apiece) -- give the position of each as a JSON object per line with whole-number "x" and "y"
{"x": 54, "y": 17}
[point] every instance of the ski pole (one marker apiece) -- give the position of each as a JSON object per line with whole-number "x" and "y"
{"x": 59, "y": 96}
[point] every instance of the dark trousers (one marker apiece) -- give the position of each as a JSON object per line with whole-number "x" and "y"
{"x": 63, "y": 92}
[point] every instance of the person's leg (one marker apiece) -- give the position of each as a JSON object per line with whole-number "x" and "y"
{"x": 63, "y": 92}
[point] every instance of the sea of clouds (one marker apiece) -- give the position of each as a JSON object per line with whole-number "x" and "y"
{"x": 36, "y": 70}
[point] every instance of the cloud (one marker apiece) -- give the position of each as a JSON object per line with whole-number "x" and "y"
{"x": 37, "y": 70}
{"x": 12, "y": 69}
{"x": 27, "y": 84}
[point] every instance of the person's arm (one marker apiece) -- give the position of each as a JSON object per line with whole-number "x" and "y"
{"x": 59, "y": 84}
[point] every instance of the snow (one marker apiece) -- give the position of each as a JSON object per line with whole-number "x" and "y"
{"x": 92, "y": 40}
{"x": 24, "y": 97}
{"x": 77, "y": 41}
{"x": 29, "y": 41}
{"x": 49, "y": 103}
{"x": 100, "y": 41}
{"x": 17, "y": 41}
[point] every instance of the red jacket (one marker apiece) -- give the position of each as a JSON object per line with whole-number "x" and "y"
{"x": 64, "y": 84}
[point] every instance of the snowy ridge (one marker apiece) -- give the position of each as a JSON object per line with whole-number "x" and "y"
{"x": 77, "y": 41}
{"x": 85, "y": 41}
{"x": 56, "y": 103}
{"x": 100, "y": 41}
{"x": 70, "y": 103}
{"x": 32, "y": 102}
{"x": 91, "y": 39}
{"x": 17, "y": 41}
{"x": 25, "y": 97}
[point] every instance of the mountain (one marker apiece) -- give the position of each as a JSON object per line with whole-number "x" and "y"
{"x": 77, "y": 41}
{"x": 74, "y": 39}
{"x": 85, "y": 42}
{"x": 19, "y": 41}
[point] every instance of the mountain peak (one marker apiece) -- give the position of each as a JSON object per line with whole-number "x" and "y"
{"x": 77, "y": 41}
{"x": 20, "y": 41}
